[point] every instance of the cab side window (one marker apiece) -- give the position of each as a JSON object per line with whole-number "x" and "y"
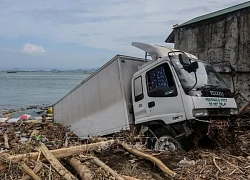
{"x": 138, "y": 90}
{"x": 160, "y": 82}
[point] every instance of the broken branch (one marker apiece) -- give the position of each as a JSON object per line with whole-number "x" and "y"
{"x": 216, "y": 164}
{"x": 149, "y": 157}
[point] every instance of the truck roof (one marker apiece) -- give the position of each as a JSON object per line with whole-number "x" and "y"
{"x": 157, "y": 51}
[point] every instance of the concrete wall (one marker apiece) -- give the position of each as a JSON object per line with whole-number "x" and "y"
{"x": 225, "y": 38}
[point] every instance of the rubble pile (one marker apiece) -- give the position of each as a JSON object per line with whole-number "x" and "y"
{"x": 44, "y": 149}
{"x": 216, "y": 164}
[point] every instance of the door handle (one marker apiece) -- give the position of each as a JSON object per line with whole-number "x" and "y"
{"x": 151, "y": 104}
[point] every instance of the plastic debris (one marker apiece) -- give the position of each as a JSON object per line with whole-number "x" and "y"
{"x": 186, "y": 163}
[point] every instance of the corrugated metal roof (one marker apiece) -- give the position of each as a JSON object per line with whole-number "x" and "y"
{"x": 217, "y": 13}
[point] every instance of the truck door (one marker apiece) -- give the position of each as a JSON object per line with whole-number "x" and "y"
{"x": 139, "y": 107}
{"x": 162, "y": 95}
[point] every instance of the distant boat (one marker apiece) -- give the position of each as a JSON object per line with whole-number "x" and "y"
{"x": 11, "y": 71}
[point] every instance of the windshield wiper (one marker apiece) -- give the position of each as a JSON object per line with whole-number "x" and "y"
{"x": 208, "y": 86}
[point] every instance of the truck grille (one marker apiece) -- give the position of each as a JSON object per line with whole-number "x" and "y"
{"x": 219, "y": 112}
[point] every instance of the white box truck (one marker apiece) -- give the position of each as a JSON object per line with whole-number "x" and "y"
{"x": 171, "y": 97}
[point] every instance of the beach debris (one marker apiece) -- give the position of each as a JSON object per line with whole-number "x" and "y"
{"x": 29, "y": 171}
{"x": 83, "y": 171}
{"x": 6, "y": 140}
{"x": 13, "y": 120}
{"x": 25, "y": 117}
{"x": 149, "y": 157}
{"x": 98, "y": 162}
{"x": 36, "y": 148}
{"x": 56, "y": 164}
{"x": 2, "y": 119}
{"x": 186, "y": 163}
{"x": 38, "y": 166}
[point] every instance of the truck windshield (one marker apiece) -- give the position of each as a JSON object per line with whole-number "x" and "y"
{"x": 207, "y": 77}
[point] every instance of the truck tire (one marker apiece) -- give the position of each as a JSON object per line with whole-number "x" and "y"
{"x": 163, "y": 141}
{"x": 167, "y": 143}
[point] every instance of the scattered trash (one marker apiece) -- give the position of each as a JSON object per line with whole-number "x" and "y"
{"x": 18, "y": 133}
{"x": 25, "y": 117}
{"x": 13, "y": 120}
{"x": 186, "y": 163}
{"x": 3, "y": 119}
{"x": 23, "y": 139}
{"x": 122, "y": 155}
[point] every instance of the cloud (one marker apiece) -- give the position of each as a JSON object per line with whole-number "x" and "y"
{"x": 33, "y": 49}
{"x": 107, "y": 25}
{"x": 99, "y": 24}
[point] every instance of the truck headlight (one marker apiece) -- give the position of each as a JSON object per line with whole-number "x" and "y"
{"x": 234, "y": 111}
{"x": 200, "y": 112}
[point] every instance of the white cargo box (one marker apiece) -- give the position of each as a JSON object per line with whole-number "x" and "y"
{"x": 100, "y": 104}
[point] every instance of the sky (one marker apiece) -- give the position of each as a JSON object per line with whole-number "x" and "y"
{"x": 69, "y": 34}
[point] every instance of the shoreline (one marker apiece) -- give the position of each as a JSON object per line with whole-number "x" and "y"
{"x": 38, "y": 109}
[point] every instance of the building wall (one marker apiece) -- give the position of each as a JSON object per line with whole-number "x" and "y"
{"x": 224, "y": 38}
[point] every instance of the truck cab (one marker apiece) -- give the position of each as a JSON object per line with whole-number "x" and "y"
{"x": 175, "y": 95}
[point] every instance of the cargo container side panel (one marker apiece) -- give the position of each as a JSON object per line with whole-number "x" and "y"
{"x": 77, "y": 104}
{"x": 103, "y": 104}
{"x": 66, "y": 110}
{"x": 70, "y": 110}
{"x": 128, "y": 68}
{"x": 94, "y": 94}
{"x": 87, "y": 99}
{"x": 101, "y": 122}
{"x": 57, "y": 112}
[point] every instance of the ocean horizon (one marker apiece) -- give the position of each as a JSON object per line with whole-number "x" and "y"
{"x": 24, "y": 89}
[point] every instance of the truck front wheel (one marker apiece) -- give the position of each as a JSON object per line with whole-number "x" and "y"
{"x": 161, "y": 140}
{"x": 167, "y": 143}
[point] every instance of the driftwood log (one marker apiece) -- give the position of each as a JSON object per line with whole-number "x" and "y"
{"x": 148, "y": 157}
{"x": 106, "y": 168}
{"x": 58, "y": 153}
{"x": 83, "y": 171}
{"x": 56, "y": 164}
{"x": 6, "y": 139}
{"x": 29, "y": 171}
{"x": 37, "y": 168}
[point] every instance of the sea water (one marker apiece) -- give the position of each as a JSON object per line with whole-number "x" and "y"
{"x": 23, "y": 89}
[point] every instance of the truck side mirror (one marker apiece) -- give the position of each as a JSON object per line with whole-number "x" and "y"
{"x": 184, "y": 60}
{"x": 193, "y": 67}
